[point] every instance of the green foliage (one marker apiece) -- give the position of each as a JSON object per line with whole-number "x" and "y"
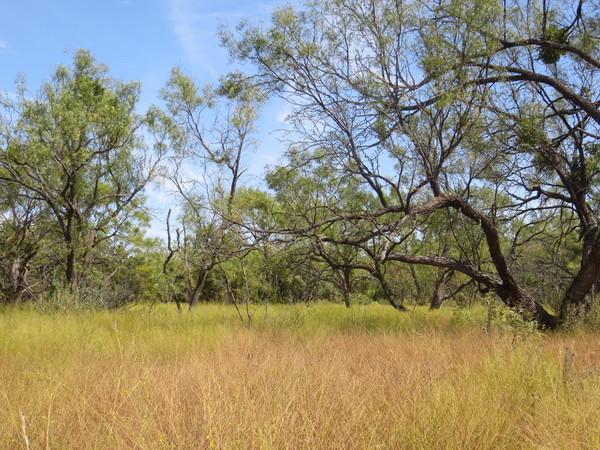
{"x": 556, "y": 35}
{"x": 76, "y": 149}
{"x": 506, "y": 320}
{"x": 422, "y": 133}
{"x": 532, "y": 134}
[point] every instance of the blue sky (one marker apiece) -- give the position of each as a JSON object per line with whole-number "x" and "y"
{"x": 138, "y": 39}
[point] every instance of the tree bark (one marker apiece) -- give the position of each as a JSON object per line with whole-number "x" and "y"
{"x": 515, "y": 297}
{"x": 439, "y": 290}
{"x": 19, "y": 271}
{"x": 575, "y": 299}
{"x": 194, "y": 295}
{"x": 387, "y": 290}
{"x": 347, "y": 286}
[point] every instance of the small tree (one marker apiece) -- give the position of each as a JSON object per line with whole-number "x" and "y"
{"x": 212, "y": 133}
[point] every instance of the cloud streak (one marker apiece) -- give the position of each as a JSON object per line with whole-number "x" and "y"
{"x": 3, "y": 44}
{"x": 196, "y": 34}
{"x": 195, "y": 23}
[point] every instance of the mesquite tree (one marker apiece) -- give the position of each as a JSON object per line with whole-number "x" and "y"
{"x": 74, "y": 147}
{"x": 485, "y": 109}
{"x": 212, "y": 133}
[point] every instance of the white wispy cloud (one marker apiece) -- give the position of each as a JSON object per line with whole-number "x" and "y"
{"x": 196, "y": 33}
{"x": 266, "y": 158}
{"x": 3, "y": 44}
{"x": 195, "y": 23}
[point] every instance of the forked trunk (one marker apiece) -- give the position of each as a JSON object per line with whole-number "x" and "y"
{"x": 439, "y": 291}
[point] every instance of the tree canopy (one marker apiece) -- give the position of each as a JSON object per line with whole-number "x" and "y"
{"x": 73, "y": 154}
{"x": 486, "y": 110}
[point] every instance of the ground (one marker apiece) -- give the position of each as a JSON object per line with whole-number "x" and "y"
{"x": 299, "y": 376}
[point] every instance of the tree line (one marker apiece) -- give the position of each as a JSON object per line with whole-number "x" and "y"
{"x": 436, "y": 150}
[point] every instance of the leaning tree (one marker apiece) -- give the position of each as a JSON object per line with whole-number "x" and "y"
{"x": 485, "y": 110}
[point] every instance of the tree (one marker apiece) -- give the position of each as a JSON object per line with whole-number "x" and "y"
{"x": 443, "y": 107}
{"x": 211, "y": 131}
{"x": 75, "y": 147}
{"x": 306, "y": 194}
{"x": 23, "y": 235}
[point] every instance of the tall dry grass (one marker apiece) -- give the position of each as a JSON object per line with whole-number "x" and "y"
{"x": 312, "y": 378}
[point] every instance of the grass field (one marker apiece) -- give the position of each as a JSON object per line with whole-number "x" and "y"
{"x": 299, "y": 377}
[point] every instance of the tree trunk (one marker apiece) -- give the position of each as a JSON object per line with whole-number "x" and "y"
{"x": 347, "y": 287}
{"x": 18, "y": 278}
{"x": 439, "y": 291}
{"x": 69, "y": 234}
{"x": 72, "y": 275}
{"x": 508, "y": 289}
{"x": 575, "y": 299}
{"x": 346, "y": 298}
{"x": 387, "y": 290}
{"x": 518, "y": 299}
{"x": 438, "y": 294}
{"x": 194, "y": 295}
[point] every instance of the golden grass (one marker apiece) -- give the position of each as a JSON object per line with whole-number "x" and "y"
{"x": 328, "y": 379}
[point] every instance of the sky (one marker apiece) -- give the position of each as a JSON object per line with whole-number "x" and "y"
{"x": 138, "y": 40}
